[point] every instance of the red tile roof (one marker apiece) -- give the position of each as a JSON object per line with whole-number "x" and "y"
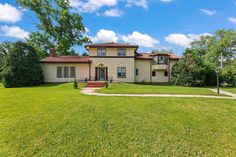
{"x": 66, "y": 59}
{"x": 111, "y": 45}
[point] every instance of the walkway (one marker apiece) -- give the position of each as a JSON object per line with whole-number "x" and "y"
{"x": 92, "y": 91}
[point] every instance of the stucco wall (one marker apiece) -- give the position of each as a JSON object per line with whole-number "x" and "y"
{"x": 50, "y": 72}
{"x": 112, "y": 51}
{"x": 112, "y": 64}
{"x": 144, "y": 73}
{"x": 160, "y": 78}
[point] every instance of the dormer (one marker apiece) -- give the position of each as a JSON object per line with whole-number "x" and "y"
{"x": 111, "y": 50}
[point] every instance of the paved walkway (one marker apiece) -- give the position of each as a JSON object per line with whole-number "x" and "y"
{"x": 92, "y": 91}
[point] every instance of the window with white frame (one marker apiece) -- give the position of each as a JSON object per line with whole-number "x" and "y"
{"x": 59, "y": 72}
{"x": 72, "y": 72}
{"x": 121, "y": 52}
{"x": 66, "y": 72}
{"x": 121, "y": 72}
{"x": 101, "y": 52}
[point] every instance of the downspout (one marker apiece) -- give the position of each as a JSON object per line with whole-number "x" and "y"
{"x": 90, "y": 71}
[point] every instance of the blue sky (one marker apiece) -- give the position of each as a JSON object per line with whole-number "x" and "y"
{"x": 151, "y": 24}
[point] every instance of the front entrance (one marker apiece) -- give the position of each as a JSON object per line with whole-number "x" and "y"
{"x": 101, "y": 73}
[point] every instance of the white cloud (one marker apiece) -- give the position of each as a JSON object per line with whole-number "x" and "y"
{"x": 9, "y": 13}
{"x": 166, "y": 1}
{"x": 139, "y": 3}
{"x": 208, "y": 12}
{"x": 104, "y": 35}
{"x": 92, "y": 5}
{"x": 87, "y": 29}
{"x": 14, "y": 31}
{"x": 232, "y": 19}
{"x": 112, "y": 13}
{"x": 140, "y": 39}
{"x": 183, "y": 40}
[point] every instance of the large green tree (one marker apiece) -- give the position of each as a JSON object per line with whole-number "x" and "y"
{"x": 21, "y": 66}
{"x": 58, "y": 26}
{"x": 4, "y": 48}
{"x": 204, "y": 56}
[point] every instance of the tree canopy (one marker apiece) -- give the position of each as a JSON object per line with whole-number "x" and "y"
{"x": 58, "y": 26}
{"x": 197, "y": 67}
{"x": 21, "y": 67}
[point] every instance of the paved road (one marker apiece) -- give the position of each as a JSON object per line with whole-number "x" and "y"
{"x": 92, "y": 91}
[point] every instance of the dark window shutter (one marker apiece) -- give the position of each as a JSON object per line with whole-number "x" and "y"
{"x": 96, "y": 73}
{"x": 106, "y": 73}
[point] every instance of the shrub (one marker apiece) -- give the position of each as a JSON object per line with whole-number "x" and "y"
{"x": 75, "y": 84}
{"x": 21, "y": 67}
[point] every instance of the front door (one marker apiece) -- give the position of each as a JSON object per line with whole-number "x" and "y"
{"x": 102, "y": 74}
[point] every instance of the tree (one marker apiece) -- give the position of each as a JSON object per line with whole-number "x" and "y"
{"x": 4, "y": 48}
{"x": 58, "y": 26}
{"x": 199, "y": 62}
{"x": 21, "y": 67}
{"x": 85, "y": 54}
{"x": 190, "y": 71}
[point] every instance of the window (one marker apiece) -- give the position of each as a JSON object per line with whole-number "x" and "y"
{"x": 162, "y": 60}
{"x": 59, "y": 72}
{"x": 166, "y": 73}
{"x": 121, "y": 52}
{"x": 121, "y": 72}
{"x": 137, "y": 72}
{"x": 72, "y": 72}
{"x": 66, "y": 72}
{"x": 153, "y": 73}
{"x": 101, "y": 52}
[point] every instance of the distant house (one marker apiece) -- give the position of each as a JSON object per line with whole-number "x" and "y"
{"x": 110, "y": 61}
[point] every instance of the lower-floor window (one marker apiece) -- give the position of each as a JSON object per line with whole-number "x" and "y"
{"x": 137, "y": 72}
{"x": 59, "y": 72}
{"x": 121, "y": 72}
{"x": 66, "y": 72}
{"x": 153, "y": 73}
{"x": 166, "y": 73}
{"x": 72, "y": 72}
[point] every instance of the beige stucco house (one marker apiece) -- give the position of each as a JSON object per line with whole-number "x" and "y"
{"x": 110, "y": 61}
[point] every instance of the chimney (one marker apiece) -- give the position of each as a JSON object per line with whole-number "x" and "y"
{"x": 52, "y": 52}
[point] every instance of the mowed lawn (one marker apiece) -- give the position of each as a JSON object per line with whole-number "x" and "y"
{"x": 129, "y": 88}
{"x": 56, "y": 120}
{"x": 232, "y": 90}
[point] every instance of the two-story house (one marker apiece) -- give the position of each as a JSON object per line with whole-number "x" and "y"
{"x": 109, "y": 61}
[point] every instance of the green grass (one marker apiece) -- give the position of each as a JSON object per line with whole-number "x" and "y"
{"x": 127, "y": 88}
{"x": 56, "y": 120}
{"x": 232, "y": 89}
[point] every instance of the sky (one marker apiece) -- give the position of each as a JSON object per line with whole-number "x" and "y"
{"x": 151, "y": 24}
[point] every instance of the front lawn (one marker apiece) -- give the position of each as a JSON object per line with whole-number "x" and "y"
{"x": 127, "y": 88}
{"x": 232, "y": 89}
{"x": 56, "y": 120}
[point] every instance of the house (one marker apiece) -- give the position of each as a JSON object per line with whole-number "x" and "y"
{"x": 110, "y": 61}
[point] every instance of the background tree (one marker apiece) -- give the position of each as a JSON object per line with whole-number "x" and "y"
{"x": 4, "y": 48}
{"x": 85, "y": 54}
{"x": 21, "y": 66}
{"x": 197, "y": 68}
{"x": 58, "y": 26}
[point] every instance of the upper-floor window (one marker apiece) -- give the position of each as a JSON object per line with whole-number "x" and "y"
{"x": 121, "y": 52}
{"x": 162, "y": 59}
{"x": 101, "y": 52}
